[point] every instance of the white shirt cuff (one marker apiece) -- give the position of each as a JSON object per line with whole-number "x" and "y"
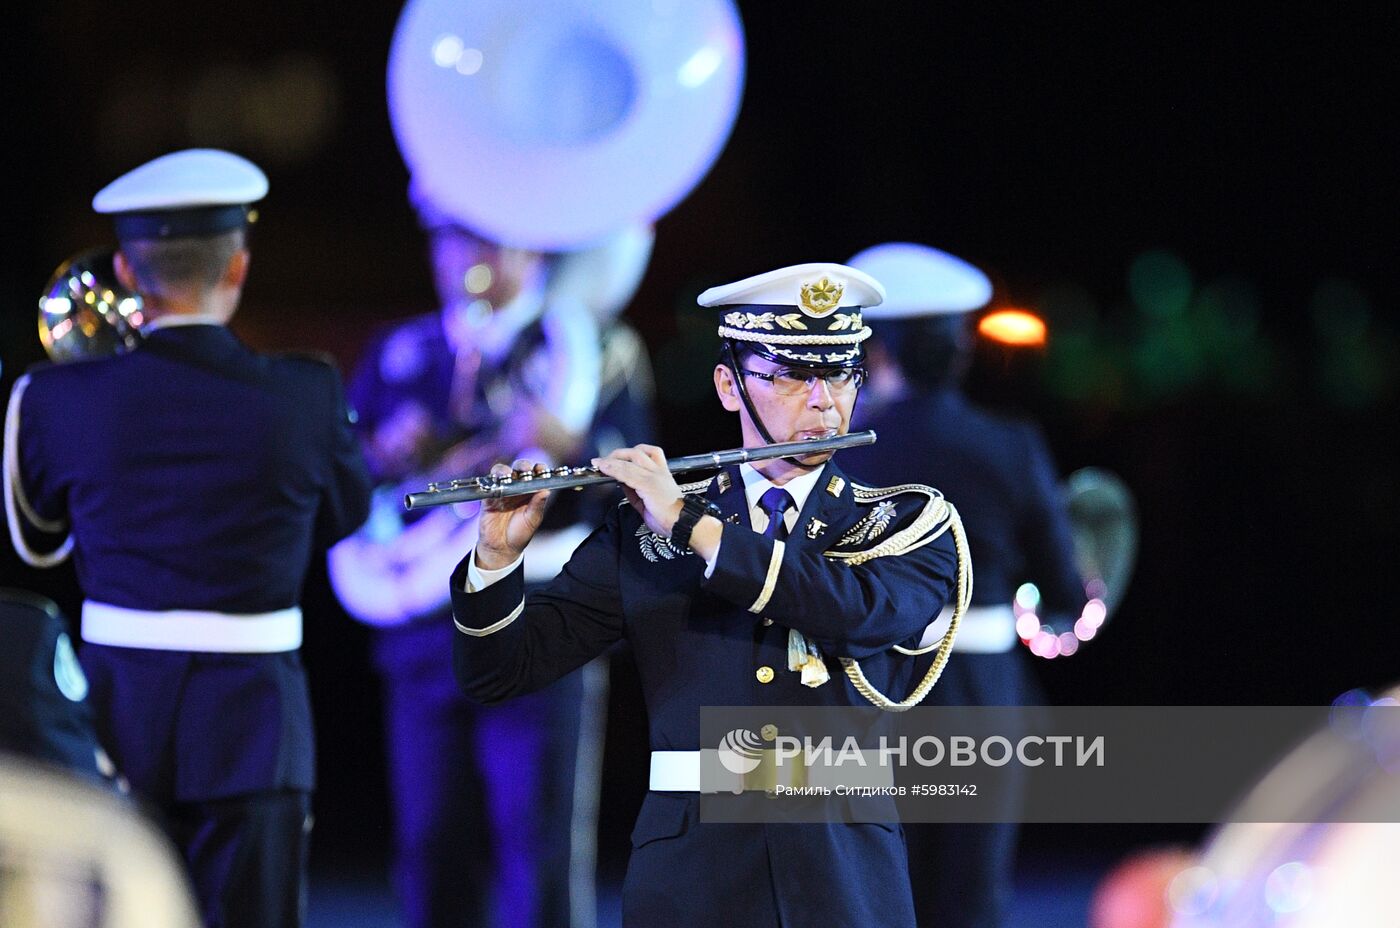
{"x": 479, "y": 578}
{"x": 711, "y": 562}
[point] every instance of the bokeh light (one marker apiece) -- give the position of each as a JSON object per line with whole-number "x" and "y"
{"x": 1013, "y": 327}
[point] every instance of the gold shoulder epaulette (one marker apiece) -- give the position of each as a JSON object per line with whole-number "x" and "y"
{"x": 901, "y": 518}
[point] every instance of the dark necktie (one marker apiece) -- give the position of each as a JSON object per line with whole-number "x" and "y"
{"x": 802, "y": 652}
{"x": 775, "y": 502}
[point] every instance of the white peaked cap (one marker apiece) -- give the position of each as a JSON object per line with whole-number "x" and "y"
{"x": 808, "y": 314}
{"x": 184, "y": 180}
{"x": 783, "y": 287}
{"x": 923, "y": 281}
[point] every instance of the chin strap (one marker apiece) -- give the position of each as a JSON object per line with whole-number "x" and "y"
{"x": 743, "y": 389}
{"x": 732, "y": 363}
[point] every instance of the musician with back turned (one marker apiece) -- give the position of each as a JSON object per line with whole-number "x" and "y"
{"x": 757, "y": 586}
{"x": 196, "y": 477}
{"x": 1002, "y": 475}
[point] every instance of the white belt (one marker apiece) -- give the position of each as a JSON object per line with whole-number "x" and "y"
{"x": 192, "y": 629}
{"x": 687, "y": 771}
{"x": 983, "y": 630}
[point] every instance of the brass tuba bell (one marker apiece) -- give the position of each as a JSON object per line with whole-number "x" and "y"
{"x": 85, "y": 312}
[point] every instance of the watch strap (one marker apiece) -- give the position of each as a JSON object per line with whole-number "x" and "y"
{"x": 693, "y": 508}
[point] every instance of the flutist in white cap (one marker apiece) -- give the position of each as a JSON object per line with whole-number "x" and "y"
{"x": 784, "y": 582}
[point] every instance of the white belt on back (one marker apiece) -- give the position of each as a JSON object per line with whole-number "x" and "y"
{"x": 983, "y": 630}
{"x": 681, "y": 772}
{"x": 192, "y": 629}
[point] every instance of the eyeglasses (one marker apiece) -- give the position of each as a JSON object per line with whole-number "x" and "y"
{"x": 789, "y": 382}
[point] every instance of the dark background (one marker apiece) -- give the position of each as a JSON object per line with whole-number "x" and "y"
{"x": 1142, "y": 177}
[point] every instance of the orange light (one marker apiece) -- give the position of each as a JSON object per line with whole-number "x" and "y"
{"x": 1013, "y": 327}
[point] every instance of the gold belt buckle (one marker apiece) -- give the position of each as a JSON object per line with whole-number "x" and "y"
{"x": 769, "y": 774}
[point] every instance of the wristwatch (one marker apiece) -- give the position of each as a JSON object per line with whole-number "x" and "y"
{"x": 693, "y": 508}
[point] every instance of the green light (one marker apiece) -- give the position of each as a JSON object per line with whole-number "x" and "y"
{"x": 1341, "y": 311}
{"x": 1168, "y": 358}
{"x": 1080, "y": 369}
{"x": 1160, "y": 284}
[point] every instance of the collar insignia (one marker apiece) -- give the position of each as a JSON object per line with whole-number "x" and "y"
{"x": 724, "y": 482}
{"x": 835, "y": 485}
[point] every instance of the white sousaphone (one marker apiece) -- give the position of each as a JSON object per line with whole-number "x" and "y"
{"x": 550, "y": 124}
{"x": 558, "y": 126}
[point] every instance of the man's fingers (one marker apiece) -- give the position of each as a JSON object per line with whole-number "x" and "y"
{"x": 509, "y": 503}
{"x": 618, "y": 468}
{"x": 641, "y": 454}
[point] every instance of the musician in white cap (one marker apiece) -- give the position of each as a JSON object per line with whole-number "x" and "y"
{"x": 1002, "y": 475}
{"x": 772, "y": 583}
{"x": 194, "y": 478}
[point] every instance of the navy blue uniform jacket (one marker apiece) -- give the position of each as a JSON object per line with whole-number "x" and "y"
{"x": 701, "y": 642}
{"x": 195, "y": 474}
{"x": 1003, "y": 480}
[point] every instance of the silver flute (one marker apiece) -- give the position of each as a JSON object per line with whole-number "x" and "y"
{"x": 517, "y": 483}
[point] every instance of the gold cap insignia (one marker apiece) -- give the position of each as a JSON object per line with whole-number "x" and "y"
{"x": 822, "y": 297}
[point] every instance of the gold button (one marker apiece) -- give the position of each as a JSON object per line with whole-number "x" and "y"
{"x": 767, "y": 621}
{"x": 765, "y": 674}
{"x": 769, "y": 732}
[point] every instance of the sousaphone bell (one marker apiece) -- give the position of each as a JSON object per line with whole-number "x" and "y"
{"x": 550, "y": 124}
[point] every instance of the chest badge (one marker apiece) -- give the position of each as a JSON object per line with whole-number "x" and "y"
{"x": 814, "y": 528}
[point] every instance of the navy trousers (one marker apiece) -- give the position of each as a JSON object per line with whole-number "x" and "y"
{"x": 247, "y": 857}
{"x": 963, "y": 874}
{"x": 220, "y": 747}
